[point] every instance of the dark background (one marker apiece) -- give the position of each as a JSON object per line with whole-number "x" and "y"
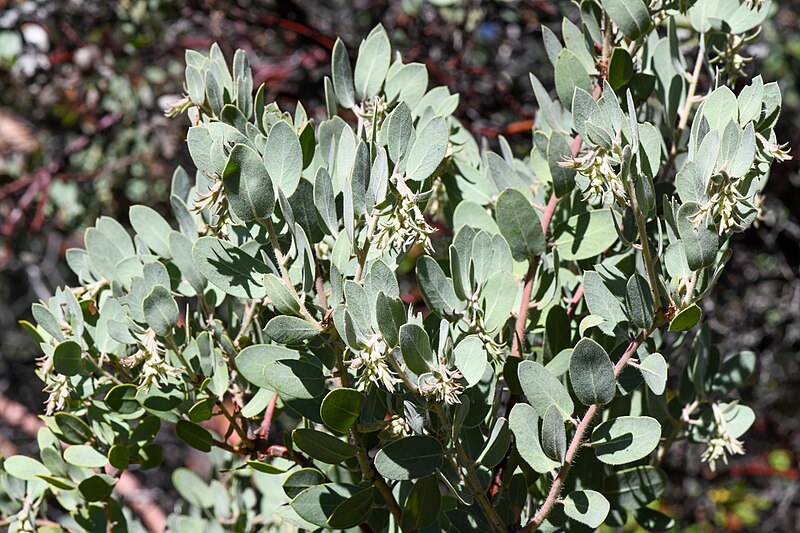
{"x": 83, "y": 85}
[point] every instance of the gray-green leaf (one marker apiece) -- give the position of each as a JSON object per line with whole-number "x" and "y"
{"x": 625, "y": 439}
{"x": 592, "y": 373}
{"x": 519, "y": 224}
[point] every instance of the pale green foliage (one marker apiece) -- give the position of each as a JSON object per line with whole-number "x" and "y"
{"x": 277, "y": 287}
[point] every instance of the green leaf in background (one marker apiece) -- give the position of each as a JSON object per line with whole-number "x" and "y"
{"x": 592, "y": 373}
{"x": 73, "y": 429}
{"x": 639, "y": 302}
{"x": 325, "y": 201}
{"x": 229, "y": 268}
{"x": 585, "y": 235}
{"x": 437, "y": 289}
{"x": 299, "y": 480}
{"x": 265, "y": 468}
{"x": 193, "y": 488}
{"x": 295, "y": 378}
{"x": 280, "y": 296}
{"x": 353, "y": 511}
{"x": 248, "y": 186}
{"x": 416, "y": 349}
{"x": 290, "y": 329}
{"x": 554, "y": 436}
{"x": 195, "y": 436}
{"x": 569, "y": 75}
{"x": 68, "y": 358}
{"x": 119, "y": 456}
{"x": 542, "y": 389}
{"x": 588, "y": 507}
{"x": 151, "y": 228}
{"x": 686, "y": 318}
{"x": 160, "y": 311}
{"x": 410, "y": 458}
{"x": 470, "y": 358}
{"x": 719, "y": 108}
{"x": 400, "y": 128}
{"x": 652, "y": 520}
{"x": 84, "y": 456}
{"x": 519, "y": 224}
{"x": 625, "y": 439}
{"x": 654, "y": 372}
{"x": 342, "y": 75}
{"x": 322, "y": 446}
{"x": 283, "y": 162}
{"x": 97, "y": 488}
{"x": 631, "y": 16}
{"x": 422, "y": 504}
{"x": 701, "y": 242}
{"x": 496, "y": 445}
{"x": 253, "y": 360}
{"x": 428, "y": 150}
{"x": 524, "y": 424}
{"x": 24, "y": 467}
{"x": 620, "y": 68}
{"x": 558, "y": 148}
{"x": 316, "y": 504}
{"x": 341, "y": 408}
{"x": 635, "y": 487}
{"x": 372, "y": 64}
{"x": 734, "y": 372}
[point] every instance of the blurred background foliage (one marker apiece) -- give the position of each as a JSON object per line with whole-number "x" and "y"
{"x": 83, "y": 86}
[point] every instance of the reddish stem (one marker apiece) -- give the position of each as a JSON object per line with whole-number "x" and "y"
{"x": 265, "y": 425}
{"x": 577, "y": 442}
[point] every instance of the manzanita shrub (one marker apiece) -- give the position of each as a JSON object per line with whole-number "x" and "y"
{"x": 527, "y": 390}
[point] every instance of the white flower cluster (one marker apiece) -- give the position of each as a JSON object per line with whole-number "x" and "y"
{"x": 403, "y": 225}
{"x": 723, "y": 208}
{"x": 442, "y": 385}
{"x": 58, "y": 388}
{"x": 150, "y": 354}
{"x": 477, "y": 325}
{"x": 398, "y": 427}
{"x": 372, "y": 362}
{"x": 371, "y": 113}
{"x": 597, "y": 166}
{"x": 728, "y": 208}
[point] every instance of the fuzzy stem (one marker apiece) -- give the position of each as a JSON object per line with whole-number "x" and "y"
{"x": 687, "y": 107}
{"x": 643, "y": 240}
{"x": 522, "y": 315}
{"x": 473, "y": 483}
{"x": 281, "y": 259}
{"x": 577, "y": 442}
{"x": 234, "y": 424}
{"x": 362, "y": 260}
{"x": 377, "y": 480}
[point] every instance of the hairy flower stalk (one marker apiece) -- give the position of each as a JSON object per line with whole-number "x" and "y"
{"x": 371, "y": 360}
{"x": 721, "y": 442}
{"x": 731, "y": 59}
{"x": 215, "y": 201}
